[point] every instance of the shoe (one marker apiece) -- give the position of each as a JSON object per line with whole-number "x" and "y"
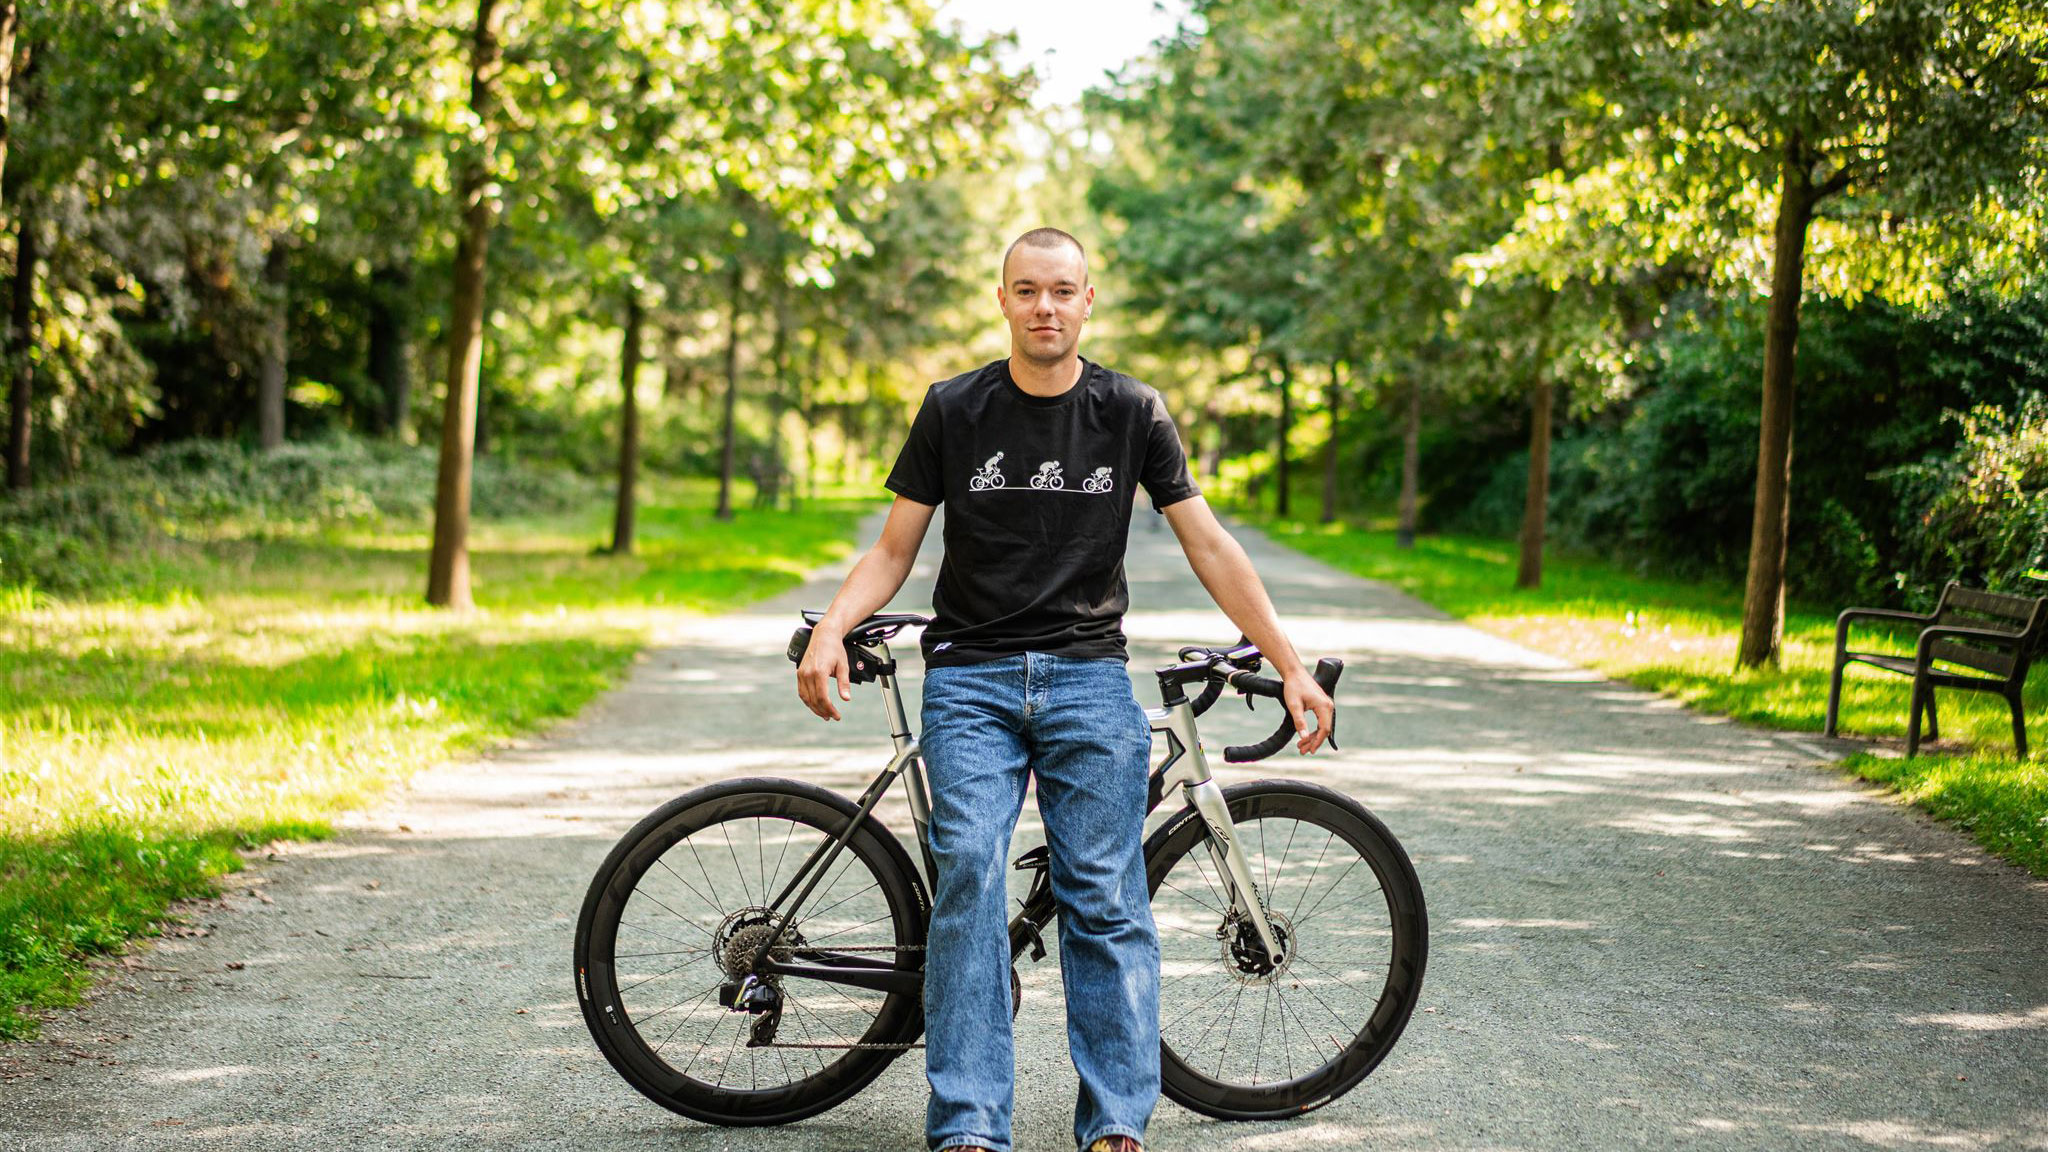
{"x": 1118, "y": 1143}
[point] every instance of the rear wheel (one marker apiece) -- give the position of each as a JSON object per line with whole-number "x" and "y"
{"x": 674, "y": 917}
{"x": 1241, "y": 1038}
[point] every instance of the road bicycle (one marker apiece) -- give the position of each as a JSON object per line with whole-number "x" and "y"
{"x": 752, "y": 952}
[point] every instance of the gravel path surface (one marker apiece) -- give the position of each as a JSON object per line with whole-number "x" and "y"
{"x": 1650, "y": 929}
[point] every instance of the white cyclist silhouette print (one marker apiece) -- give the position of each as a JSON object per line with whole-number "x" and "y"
{"x": 988, "y": 477}
{"x": 1050, "y": 477}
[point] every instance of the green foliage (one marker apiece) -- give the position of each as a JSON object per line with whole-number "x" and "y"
{"x": 93, "y": 889}
{"x": 1980, "y": 515}
{"x": 107, "y": 528}
{"x": 2001, "y": 803}
{"x": 1667, "y": 483}
{"x": 284, "y": 679}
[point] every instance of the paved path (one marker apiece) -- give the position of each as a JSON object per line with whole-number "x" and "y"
{"x": 1649, "y": 929}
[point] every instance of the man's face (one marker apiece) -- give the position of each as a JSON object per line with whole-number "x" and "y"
{"x": 1045, "y": 296}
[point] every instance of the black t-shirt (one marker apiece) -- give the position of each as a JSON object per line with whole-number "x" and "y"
{"x": 1038, "y": 493}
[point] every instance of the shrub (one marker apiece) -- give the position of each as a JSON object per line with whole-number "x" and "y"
{"x": 76, "y": 535}
{"x": 1980, "y": 513}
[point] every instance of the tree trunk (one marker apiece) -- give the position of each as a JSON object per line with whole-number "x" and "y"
{"x": 1763, "y": 601}
{"x": 21, "y": 346}
{"x": 778, "y": 402}
{"x": 1411, "y": 463}
{"x": 1335, "y": 403}
{"x": 270, "y": 373}
{"x": 1536, "y": 502}
{"x": 732, "y": 390}
{"x": 1286, "y": 426}
{"x": 807, "y": 390}
{"x": 629, "y": 427}
{"x": 448, "y": 570}
{"x": 391, "y": 347}
{"x": 10, "y": 26}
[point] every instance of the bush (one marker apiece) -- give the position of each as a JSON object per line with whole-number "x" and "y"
{"x": 72, "y": 537}
{"x": 1980, "y": 514}
{"x": 1668, "y": 483}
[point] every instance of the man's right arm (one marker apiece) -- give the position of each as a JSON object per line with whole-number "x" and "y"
{"x": 872, "y": 582}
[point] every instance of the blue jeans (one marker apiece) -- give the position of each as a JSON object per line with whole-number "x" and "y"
{"x": 1077, "y": 725}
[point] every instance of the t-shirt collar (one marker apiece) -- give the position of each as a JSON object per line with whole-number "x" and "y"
{"x": 1009, "y": 384}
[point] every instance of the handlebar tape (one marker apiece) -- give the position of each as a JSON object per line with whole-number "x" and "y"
{"x": 1327, "y": 671}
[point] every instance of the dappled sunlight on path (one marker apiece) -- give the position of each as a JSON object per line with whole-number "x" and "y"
{"x": 1650, "y": 928}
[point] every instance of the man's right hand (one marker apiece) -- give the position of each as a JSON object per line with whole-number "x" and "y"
{"x": 824, "y": 662}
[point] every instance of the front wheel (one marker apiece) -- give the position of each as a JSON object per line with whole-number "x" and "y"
{"x": 1242, "y": 1039}
{"x": 674, "y": 917}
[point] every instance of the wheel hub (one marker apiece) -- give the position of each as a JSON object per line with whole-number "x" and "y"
{"x": 1244, "y": 956}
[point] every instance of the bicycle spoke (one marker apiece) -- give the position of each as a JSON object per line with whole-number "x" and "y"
{"x": 836, "y": 903}
{"x": 1295, "y": 912}
{"x": 669, "y": 952}
{"x": 1334, "y": 885}
{"x": 658, "y": 975}
{"x": 844, "y": 931}
{"x": 638, "y": 891}
{"x": 782, "y": 855}
{"x": 1348, "y": 903}
{"x": 739, "y": 872}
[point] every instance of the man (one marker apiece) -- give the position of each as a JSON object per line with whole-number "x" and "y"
{"x": 1025, "y": 676}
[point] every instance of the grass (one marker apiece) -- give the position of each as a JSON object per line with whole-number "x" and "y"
{"x": 1678, "y": 638}
{"x": 247, "y": 691}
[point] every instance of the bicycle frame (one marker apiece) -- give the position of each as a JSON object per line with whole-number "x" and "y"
{"x": 1185, "y": 768}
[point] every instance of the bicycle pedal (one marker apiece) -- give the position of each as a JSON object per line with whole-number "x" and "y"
{"x": 1039, "y": 858}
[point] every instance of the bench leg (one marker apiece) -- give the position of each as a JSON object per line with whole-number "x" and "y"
{"x": 1834, "y": 697}
{"x": 2019, "y": 724}
{"x": 1933, "y": 716}
{"x": 1913, "y": 723}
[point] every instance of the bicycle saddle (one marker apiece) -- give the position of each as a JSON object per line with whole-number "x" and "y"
{"x": 881, "y": 626}
{"x": 873, "y": 630}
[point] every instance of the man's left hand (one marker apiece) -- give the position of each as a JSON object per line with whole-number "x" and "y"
{"x": 1302, "y": 696}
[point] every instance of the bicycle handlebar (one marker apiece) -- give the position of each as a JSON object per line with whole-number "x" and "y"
{"x": 1327, "y": 671}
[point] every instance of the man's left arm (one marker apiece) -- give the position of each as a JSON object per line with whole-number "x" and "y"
{"x": 1219, "y": 561}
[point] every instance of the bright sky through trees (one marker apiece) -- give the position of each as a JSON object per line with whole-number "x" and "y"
{"x": 1071, "y": 42}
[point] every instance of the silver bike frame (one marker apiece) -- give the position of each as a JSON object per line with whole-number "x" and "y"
{"x": 1186, "y": 767}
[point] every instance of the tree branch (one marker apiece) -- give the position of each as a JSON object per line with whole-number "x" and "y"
{"x": 1836, "y": 182}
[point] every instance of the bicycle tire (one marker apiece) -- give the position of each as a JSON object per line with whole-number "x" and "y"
{"x": 1224, "y": 1091}
{"x": 614, "y": 1014}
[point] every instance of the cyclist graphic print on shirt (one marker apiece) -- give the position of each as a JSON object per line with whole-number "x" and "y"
{"x": 1023, "y": 573}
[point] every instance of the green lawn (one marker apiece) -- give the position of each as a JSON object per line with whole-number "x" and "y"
{"x": 1679, "y": 638}
{"x": 246, "y": 691}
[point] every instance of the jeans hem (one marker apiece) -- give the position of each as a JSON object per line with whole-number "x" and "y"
{"x": 1112, "y": 1130}
{"x": 971, "y": 1142}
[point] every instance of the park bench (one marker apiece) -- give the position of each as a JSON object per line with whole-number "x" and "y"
{"x": 1988, "y": 633}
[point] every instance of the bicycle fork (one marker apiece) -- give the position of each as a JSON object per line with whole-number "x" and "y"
{"x": 1187, "y": 767}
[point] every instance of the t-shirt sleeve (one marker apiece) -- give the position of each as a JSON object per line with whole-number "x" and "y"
{"x": 1165, "y": 475}
{"x": 916, "y": 474}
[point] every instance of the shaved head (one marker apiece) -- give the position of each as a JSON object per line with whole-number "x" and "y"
{"x": 1045, "y": 238}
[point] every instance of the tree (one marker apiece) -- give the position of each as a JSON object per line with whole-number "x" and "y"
{"x": 1899, "y": 131}
{"x": 448, "y": 568}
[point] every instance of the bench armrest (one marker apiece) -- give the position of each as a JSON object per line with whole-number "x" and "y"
{"x": 1848, "y": 614}
{"x": 1989, "y": 636}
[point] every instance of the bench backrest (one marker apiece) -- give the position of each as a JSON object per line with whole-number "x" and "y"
{"x": 1960, "y": 607}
